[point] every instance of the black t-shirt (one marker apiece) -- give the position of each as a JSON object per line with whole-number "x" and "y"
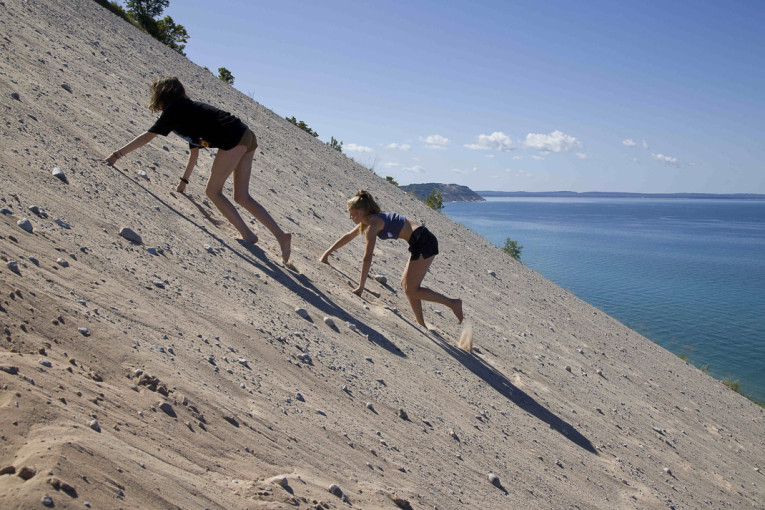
{"x": 200, "y": 124}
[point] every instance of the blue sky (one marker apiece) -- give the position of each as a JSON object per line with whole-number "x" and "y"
{"x": 650, "y": 96}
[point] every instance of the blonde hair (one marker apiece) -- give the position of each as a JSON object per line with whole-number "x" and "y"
{"x": 164, "y": 91}
{"x": 363, "y": 201}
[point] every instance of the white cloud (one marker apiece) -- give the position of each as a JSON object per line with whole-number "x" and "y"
{"x": 669, "y": 160}
{"x": 538, "y": 158}
{"x": 391, "y": 164}
{"x": 629, "y": 142}
{"x": 435, "y": 142}
{"x": 352, "y": 147}
{"x": 554, "y": 142}
{"x": 496, "y": 141}
{"x": 416, "y": 169}
{"x": 582, "y": 155}
{"x": 458, "y": 171}
{"x": 518, "y": 173}
{"x": 517, "y": 158}
{"x": 399, "y": 146}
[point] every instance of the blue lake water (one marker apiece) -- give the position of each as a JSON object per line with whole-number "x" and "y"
{"x": 688, "y": 274}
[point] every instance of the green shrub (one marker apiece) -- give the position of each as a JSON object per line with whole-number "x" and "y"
{"x": 435, "y": 200}
{"x": 225, "y": 75}
{"x": 512, "y": 248}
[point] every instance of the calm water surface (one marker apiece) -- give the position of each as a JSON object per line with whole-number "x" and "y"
{"x": 687, "y": 273}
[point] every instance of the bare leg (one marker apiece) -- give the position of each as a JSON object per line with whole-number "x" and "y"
{"x": 242, "y": 197}
{"x": 225, "y": 162}
{"x": 410, "y": 281}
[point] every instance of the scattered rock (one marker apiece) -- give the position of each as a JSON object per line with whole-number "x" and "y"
{"x": 335, "y": 490}
{"x": 166, "y": 408}
{"x": 46, "y": 363}
{"x": 47, "y": 501}
{"x": 494, "y": 480}
{"x": 371, "y": 407}
{"x": 62, "y": 262}
{"x": 491, "y": 273}
{"x": 62, "y": 224}
{"x": 402, "y": 414}
{"x": 568, "y": 368}
{"x": 454, "y": 435}
{"x": 299, "y": 397}
{"x": 401, "y": 503}
{"x": 302, "y": 312}
{"x": 84, "y": 331}
{"x": 25, "y": 224}
{"x": 130, "y": 235}
{"x": 26, "y": 473}
{"x": 60, "y": 175}
{"x": 94, "y": 425}
{"x": 305, "y": 358}
{"x": 14, "y": 266}
{"x": 66, "y": 87}
{"x": 281, "y": 481}
{"x": 16, "y": 96}
{"x": 7, "y": 470}
{"x": 381, "y": 279}
{"x": 329, "y": 322}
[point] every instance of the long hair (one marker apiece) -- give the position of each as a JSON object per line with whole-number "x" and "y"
{"x": 164, "y": 91}
{"x": 363, "y": 201}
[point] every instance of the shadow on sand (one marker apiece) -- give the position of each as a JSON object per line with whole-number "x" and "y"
{"x": 297, "y": 283}
{"x": 502, "y": 384}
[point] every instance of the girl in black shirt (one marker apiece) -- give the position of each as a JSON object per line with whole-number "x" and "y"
{"x": 203, "y": 125}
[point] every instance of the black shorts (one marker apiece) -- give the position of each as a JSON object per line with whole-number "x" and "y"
{"x": 422, "y": 242}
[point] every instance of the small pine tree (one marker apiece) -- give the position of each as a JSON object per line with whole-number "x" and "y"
{"x": 391, "y": 180}
{"x": 435, "y": 200}
{"x": 338, "y": 146}
{"x": 225, "y": 75}
{"x": 512, "y": 248}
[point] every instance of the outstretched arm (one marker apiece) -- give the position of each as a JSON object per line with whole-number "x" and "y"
{"x": 345, "y": 239}
{"x": 193, "y": 155}
{"x": 369, "y": 249}
{"x": 138, "y": 141}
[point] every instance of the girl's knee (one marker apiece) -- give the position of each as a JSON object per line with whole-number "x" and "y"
{"x": 242, "y": 197}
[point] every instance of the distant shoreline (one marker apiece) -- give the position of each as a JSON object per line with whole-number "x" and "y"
{"x": 608, "y": 194}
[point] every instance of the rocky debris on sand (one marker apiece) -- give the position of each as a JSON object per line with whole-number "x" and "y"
{"x": 130, "y": 235}
{"x": 60, "y": 175}
{"x": 84, "y": 331}
{"x": 381, "y": 279}
{"x": 61, "y": 223}
{"x": 329, "y": 322}
{"x": 66, "y": 87}
{"x": 94, "y": 425}
{"x": 302, "y": 312}
{"x": 402, "y": 414}
{"x": 62, "y": 262}
{"x": 401, "y": 503}
{"x": 14, "y": 266}
{"x": 335, "y": 490}
{"x": 25, "y": 224}
{"x": 494, "y": 480}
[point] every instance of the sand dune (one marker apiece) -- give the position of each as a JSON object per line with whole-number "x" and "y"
{"x": 191, "y": 371}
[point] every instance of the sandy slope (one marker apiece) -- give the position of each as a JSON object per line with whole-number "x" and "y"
{"x": 205, "y": 382}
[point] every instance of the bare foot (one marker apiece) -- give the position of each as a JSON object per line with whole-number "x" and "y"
{"x": 285, "y": 243}
{"x": 457, "y": 309}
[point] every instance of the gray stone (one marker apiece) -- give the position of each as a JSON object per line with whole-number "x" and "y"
{"x": 60, "y": 175}
{"x": 14, "y": 266}
{"x": 494, "y": 480}
{"x": 94, "y": 425}
{"x": 130, "y": 235}
{"x": 66, "y": 87}
{"x": 382, "y": 279}
{"x": 25, "y": 224}
{"x": 61, "y": 223}
{"x": 302, "y": 312}
{"x": 46, "y": 363}
{"x": 62, "y": 262}
{"x": 329, "y": 322}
